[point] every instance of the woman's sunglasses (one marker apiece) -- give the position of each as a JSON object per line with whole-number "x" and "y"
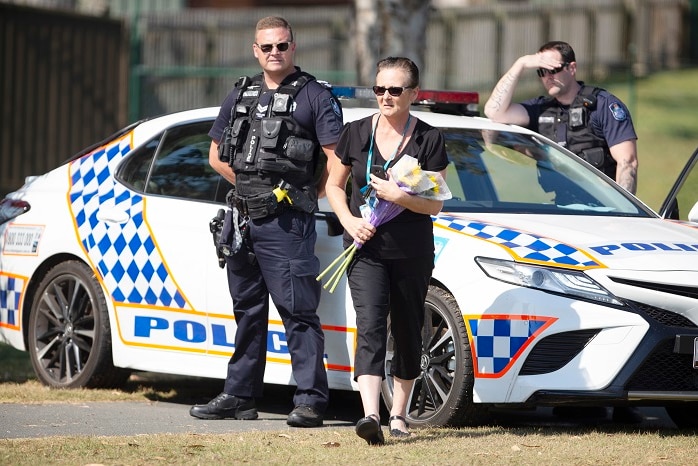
{"x": 395, "y": 91}
{"x": 541, "y": 71}
{"x": 267, "y": 48}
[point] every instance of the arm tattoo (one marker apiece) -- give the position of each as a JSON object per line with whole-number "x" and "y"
{"x": 627, "y": 177}
{"x": 500, "y": 91}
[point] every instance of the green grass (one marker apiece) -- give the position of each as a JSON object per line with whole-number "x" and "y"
{"x": 438, "y": 447}
{"x": 663, "y": 108}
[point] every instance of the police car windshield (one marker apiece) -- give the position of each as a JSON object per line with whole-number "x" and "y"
{"x": 500, "y": 171}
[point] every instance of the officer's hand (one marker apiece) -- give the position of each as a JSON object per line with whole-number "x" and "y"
{"x": 543, "y": 60}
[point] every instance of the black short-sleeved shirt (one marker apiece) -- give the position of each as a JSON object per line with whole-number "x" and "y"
{"x": 409, "y": 234}
{"x": 316, "y": 110}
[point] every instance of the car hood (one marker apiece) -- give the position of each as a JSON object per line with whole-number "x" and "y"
{"x": 649, "y": 244}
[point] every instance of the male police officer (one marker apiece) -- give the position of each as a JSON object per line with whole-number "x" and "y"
{"x": 589, "y": 121}
{"x": 272, "y": 130}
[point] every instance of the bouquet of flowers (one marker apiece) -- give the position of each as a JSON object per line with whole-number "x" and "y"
{"x": 411, "y": 179}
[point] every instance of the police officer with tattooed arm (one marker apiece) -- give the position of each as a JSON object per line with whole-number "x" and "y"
{"x": 589, "y": 121}
{"x": 270, "y": 140}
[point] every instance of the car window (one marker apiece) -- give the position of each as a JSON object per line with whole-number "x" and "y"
{"x": 134, "y": 170}
{"x": 176, "y": 165}
{"x": 500, "y": 171}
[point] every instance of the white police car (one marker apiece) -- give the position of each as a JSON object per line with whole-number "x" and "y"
{"x": 552, "y": 285}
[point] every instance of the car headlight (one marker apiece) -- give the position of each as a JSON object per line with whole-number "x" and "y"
{"x": 554, "y": 280}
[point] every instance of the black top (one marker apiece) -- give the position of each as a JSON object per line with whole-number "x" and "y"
{"x": 409, "y": 234}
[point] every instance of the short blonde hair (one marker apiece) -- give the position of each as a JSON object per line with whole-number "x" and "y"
{"x": 274, "y": 22}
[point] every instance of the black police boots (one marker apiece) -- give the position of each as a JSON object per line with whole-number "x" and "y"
{"x": 226, "y": 406}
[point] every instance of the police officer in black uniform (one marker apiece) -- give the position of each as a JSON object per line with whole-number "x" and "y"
{"x": 270, "y": 141}
{"x": 589, "y": 121}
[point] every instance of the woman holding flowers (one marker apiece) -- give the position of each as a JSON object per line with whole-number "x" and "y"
{"x": 389, "y": 274}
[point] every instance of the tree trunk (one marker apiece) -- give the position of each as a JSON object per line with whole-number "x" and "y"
{"x": 385, "y": 28}
{"x": 367, "y": 39}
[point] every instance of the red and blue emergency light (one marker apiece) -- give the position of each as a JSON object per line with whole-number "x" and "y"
{"x": 455, "y": 102}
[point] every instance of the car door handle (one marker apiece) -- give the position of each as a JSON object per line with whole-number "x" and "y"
{"x": 112, "y": 216}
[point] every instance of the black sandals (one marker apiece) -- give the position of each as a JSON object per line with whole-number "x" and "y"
{"x": 369, "y": 429}
{"x": 397, "y": 432}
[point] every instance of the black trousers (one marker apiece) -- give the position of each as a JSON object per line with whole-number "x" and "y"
{"x": 397, "y": 287}
{"x": 285, "y": 268}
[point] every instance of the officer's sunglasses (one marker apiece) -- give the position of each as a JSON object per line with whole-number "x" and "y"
{"x": 395, "y": 91}
{"x": 541, "y": 71}
{"x": 267, "y": 48}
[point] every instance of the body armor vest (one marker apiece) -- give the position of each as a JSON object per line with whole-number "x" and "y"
{"x": 572, "y": 129}
{"x": 264, "y": 152}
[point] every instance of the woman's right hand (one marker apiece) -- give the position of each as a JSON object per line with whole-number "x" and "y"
{"x": 359, "y": 229}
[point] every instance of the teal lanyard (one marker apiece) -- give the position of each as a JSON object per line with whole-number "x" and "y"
{"x": 369, "y": 162}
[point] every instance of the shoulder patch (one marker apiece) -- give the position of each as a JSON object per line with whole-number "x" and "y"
{"x": 617, "y": 111}
{"x": 335, "y": 107}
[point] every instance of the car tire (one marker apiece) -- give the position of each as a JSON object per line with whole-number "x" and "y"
{"x": 684, "y": 415}
{"x": 69, "y": 338}
{"x": 443, "y": 393}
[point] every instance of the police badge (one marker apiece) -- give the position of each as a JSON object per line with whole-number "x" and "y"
{"x": 617, "y": 111}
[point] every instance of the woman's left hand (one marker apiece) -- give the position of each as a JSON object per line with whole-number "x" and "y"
{"x": 386, "y": 189}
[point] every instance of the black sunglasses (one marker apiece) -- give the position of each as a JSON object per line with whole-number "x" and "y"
{"x": 267, "y": 48}
{"x": 395, "y": 91}
{"x": 541, "y": 71}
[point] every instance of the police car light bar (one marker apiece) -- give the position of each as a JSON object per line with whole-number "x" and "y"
{"x": 448, "y": 97}
{"x": 468, "y": 100}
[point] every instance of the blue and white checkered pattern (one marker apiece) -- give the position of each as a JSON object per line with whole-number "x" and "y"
{"x": 125, "y": 255}
{"x": 497, "y": 341}
{"x": 525, "y": 247}
{"x": 10, "y": 296}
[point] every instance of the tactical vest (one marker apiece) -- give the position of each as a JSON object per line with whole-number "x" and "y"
{"x": 572, "y": 128}
{"x": 263, "y": 152}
